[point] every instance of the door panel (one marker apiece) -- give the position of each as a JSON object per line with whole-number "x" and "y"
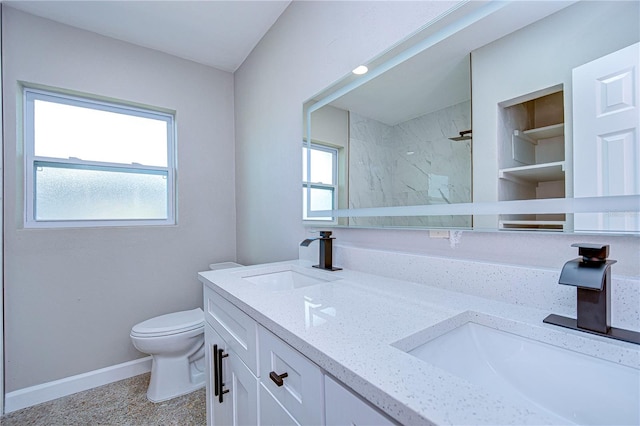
{"x": 606, "y": 150}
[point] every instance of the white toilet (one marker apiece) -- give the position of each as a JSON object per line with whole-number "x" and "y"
{"x": 176, "y": 343}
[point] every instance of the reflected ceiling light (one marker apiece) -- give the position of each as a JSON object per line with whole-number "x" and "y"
{"x": 360, "y": 70}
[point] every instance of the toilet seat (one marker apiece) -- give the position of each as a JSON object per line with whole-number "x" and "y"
{"x": 173, "y": 323}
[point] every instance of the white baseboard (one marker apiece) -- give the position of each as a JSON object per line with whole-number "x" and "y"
{"x": 33, "y": 395}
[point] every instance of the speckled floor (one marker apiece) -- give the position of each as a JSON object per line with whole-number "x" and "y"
{"x": 120, "y": 403}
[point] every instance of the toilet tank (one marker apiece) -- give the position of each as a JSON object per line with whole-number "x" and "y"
{"x": 224, "y": 265}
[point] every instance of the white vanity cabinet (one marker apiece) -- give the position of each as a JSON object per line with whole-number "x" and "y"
{"x": 343, "y": 407}
{"x": 238, "y": 329}
{"x": 232, "y": 389}
{"x": 272, "y": 413}
{"x": 231, "y": 362}
{"x": 294, "y": 382}
{"x": 254, "y": 377}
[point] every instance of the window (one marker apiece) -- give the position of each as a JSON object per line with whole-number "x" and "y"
{"x": 95, "y": 163}
{"x": 321, "y": 183}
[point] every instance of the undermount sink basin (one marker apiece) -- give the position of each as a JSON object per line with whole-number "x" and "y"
{"x": 567, "y": 385}
{"x": 285, "y": 278}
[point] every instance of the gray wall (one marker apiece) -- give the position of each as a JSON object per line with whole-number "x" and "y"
{"x": 311, "y": 46}
{"x": 72, "y": 295}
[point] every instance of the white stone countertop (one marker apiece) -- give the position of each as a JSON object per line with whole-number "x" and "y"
{"x": 348, "y": 325}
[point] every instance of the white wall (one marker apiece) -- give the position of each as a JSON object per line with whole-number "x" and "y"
{"x": 330, "y": 126}
{"x": 312, "y": 45}
{"x": 72, "y": 295}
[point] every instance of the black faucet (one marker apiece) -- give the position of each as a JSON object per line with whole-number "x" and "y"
{"x": 591, "y": 274}
{"x": 326, "y": 250}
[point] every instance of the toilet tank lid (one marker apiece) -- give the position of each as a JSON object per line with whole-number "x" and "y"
{"x": 176, "y": 321}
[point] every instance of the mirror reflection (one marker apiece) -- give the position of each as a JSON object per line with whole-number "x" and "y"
{"x": 406, "y": 137}
{"x": 411, "y": 153}
{"x": 413, "y": 148}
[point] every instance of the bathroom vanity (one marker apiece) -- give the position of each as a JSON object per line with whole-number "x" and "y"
{"x": 250, "y": 364}
{"x": 290, "y": 344}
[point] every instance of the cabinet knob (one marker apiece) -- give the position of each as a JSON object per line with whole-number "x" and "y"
{"x": 277, "y": 378}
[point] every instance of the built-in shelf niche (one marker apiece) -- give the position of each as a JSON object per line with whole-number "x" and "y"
{"x": 532, "y": 157}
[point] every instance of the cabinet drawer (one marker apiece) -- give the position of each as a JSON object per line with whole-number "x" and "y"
{"x": 301, "y": 391}
{"x": 238, "y": 329}
{"x": 271, "y": 412}
{"x": 343, "y": 407}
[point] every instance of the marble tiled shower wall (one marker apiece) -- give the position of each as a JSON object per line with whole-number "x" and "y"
{"x": 410, "y": 163}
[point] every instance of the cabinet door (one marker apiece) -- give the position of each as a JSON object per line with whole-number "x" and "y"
{"x": 606, "y": 146}
{"x": 239, "y": 402}
{"x": 217, "y": 414}
{"x": 243, "y": 392}
{"x": 301, "y": 391}
{"x": 345, "y": 408}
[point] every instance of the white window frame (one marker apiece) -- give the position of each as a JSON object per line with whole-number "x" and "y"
{"x": 317, "y": 185}
{"x": 31, "y": 161}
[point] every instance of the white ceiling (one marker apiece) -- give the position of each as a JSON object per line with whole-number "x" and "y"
{"x": 220, "y": 34}
{"x": 439, "y": 77}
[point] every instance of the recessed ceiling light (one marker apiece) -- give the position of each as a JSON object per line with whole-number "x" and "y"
{"x": 360, "y": 70}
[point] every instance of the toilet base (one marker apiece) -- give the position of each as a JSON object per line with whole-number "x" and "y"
{"x": 172, "y": 377}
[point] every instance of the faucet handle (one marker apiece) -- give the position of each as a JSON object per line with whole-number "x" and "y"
{"x": 325, "y": 234}
{"x": 592, "y": 252}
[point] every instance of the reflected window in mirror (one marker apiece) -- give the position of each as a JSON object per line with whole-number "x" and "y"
{"x": 319, "y": 178}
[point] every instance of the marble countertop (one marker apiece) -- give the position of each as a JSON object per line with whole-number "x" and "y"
{"x": 354, "y": 326}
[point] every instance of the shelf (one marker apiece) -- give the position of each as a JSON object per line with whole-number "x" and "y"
{"x": 535, "y": 173}
{"x": 545, "y": 132}
{"x": 523, "y": 143}
{"x": 533, "y": 225}
{"x": 533, "y": 167}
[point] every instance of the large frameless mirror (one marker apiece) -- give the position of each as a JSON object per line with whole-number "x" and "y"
{"x": 472, "y": 124}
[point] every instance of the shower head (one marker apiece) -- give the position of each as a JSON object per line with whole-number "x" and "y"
{"x": 464, "y": 136}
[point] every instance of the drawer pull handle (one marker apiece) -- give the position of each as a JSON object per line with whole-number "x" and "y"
{"x": 216, "y": 373}
{"x": 277, "y": 378}
{"x": 220, "y": 386}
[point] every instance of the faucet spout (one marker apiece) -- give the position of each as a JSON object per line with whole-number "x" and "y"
{"x": 326, "y": 250}
{"x": 586, "y": 275}
{"x": 308, "y": 241}
{"x": 591, "y": 274}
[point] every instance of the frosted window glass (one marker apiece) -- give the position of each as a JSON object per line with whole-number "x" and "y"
{"x": 96, "y": 163}
{"x": 65, "y": 131}
{"x": 321, "y": 199}
{"x": 77, "y": 194}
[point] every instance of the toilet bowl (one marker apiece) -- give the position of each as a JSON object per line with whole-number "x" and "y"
{"x": 176, "y": 344}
